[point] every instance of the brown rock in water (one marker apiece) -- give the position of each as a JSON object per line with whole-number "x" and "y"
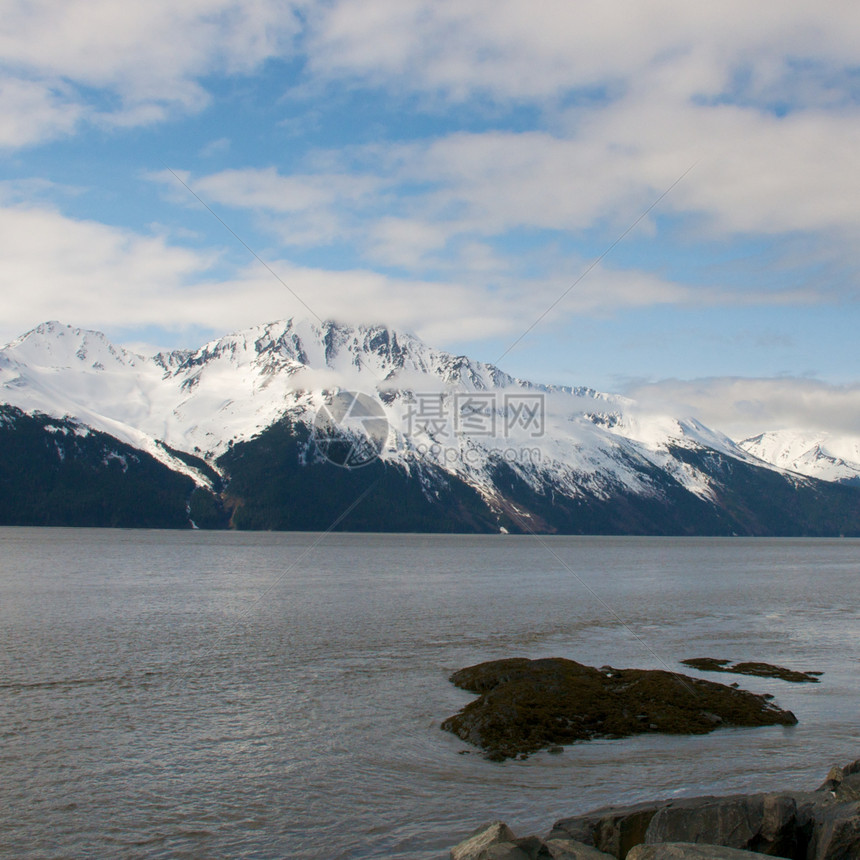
{"x": 759, "y": 670}
{"x": 528, "y": 705}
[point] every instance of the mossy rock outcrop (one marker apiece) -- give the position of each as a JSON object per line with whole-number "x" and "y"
{"x": 529, "y": 705}
{"x": 760, "y": 670}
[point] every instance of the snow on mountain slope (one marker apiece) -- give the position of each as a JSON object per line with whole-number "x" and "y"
{"x": 226, "y": 390}
{"x": 61, "y": 371}
{"x": 465, "y": 416}
{"x": 817, "y": 455}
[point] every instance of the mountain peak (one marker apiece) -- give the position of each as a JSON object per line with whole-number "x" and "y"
{"x": 55, "y": 344}
{"x": 821, "y": 455}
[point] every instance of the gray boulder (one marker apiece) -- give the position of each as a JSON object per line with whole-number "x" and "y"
{"x": 482, "y": 838}
{"x": 496, "y": 841}
{"x": 833, "y": 780}
{"x": 822, "y": 825}
{"x": 532, "y": 848}
{"x": 611, "y": 829}
{"x": 505, "y": 851}
{"x": 570, "y": 849}
{"x": 797, "y": 825}
{"x": 766, "y": 823}
{"x": 843, "y": 783}
{"x": 835, "y": 832}
{"x": 854, "y": 767}
{"x": 691, "y": 851}
{"x": 849, "y": 789}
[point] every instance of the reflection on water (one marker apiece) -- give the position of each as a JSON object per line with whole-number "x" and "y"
{"x": 169, "y": 694}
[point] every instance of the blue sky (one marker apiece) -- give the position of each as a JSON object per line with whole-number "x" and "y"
{"x": 452, "y": 168}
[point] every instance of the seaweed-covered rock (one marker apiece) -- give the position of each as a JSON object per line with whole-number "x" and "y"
{"x": 759, "y": 670}
{"x": 528, "y": 705}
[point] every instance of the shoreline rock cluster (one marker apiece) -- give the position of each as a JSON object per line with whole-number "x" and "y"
{"x": 795, "y": 825}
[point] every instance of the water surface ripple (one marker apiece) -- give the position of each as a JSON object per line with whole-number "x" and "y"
{"x": 191, "y": 694}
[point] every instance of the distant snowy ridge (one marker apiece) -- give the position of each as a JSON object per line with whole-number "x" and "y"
{"x": 825, "y": 456}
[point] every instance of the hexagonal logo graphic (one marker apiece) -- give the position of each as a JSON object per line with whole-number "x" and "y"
{"x": 350, "y": 429}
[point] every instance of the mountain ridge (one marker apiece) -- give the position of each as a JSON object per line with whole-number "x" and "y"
{"x": 827, "y": 456}
{"x": 456, "y": 427}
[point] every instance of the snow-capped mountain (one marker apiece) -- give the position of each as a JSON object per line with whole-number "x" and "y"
{"x": 203, "y": 401}
{"x": 225, "y": 391}
{"x": 504, "y": 450}
{"x": 817, "y": 455}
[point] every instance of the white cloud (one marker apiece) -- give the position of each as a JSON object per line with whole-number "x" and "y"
{"x": 91, "y": 274}
{"x": 405, "y": 242}
{"x": 449, "y": 204}
{"x": 86, "y": 273}
{"x": 31, "y": 111}
{"x": 266, "y": 189}
{"x": 679, "y": 83}
{"x": 336, "y": 206}
{"x": 306, "y": 209}
{"x": 147, "y": 58}
{"x": 744, "y": 407}
{"x": 753, "y": 172}
{"x": 627, "y": 96}
{"x": 676, "y": 84}
{"x": 220, "y": 146}
{"x": 56, "y": 267}
{"x": 516, "y": 49}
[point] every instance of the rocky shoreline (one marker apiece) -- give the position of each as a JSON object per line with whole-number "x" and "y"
{"x": 823, "y": 824}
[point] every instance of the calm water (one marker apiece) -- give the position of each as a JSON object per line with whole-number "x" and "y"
{"x": 189, "y": 694}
